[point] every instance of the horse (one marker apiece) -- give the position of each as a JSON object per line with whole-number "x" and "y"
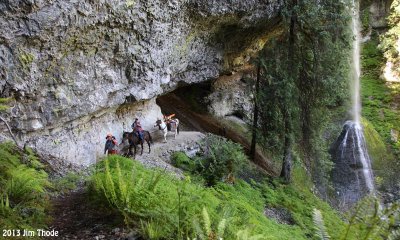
{"x": 134, "y": 140}
{"x": 164, "y": 127}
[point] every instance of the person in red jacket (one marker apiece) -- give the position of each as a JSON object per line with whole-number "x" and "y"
{"x": 111, "y": 146}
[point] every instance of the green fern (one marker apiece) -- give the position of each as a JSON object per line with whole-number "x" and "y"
{"x": 246, "y": 235}
{"x": 204, "y": 231}
{"x": 394, "y": 235}
{"x": 26, "y": 184}
{"x": 152, "y": 230}
{"x": 370, "y": 220}
{"x": 4, "y": 206}
{"x": 23, "y": 189}
{"x": 320, "y": 230}
{"x": 206, "y": 222}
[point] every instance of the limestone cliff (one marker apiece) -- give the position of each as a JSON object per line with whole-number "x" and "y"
{"x": 79, "y": 69}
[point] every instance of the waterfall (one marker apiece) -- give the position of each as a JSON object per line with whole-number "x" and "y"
{"x": 355, "y": 25}
{"x": 356, "y": 109}
{"x": 352, "y": 175}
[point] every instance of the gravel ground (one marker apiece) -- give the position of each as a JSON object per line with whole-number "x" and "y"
{"x": 160, "y": 154}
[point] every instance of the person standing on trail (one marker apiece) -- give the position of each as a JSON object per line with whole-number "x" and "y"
{"x": 111, "y": 146}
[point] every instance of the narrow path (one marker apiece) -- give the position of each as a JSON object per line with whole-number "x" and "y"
{"x": 171, "y": 103}
{"x": 76, "y": 218}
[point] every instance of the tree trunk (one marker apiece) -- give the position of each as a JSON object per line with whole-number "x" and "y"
{"x": 287, "y": 153}
{"x": 255, "y": 117}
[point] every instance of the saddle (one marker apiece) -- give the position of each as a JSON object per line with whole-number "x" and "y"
{"x": 171, "y": 125}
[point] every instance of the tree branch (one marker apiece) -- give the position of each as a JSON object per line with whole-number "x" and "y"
{"x": 11, "y": 133}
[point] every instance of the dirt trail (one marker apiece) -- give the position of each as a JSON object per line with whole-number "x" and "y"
{"x": 203, "y": 122}
{"x": 76, "y": 218}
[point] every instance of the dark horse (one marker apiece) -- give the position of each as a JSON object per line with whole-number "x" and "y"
{"x": 134, "y": 140}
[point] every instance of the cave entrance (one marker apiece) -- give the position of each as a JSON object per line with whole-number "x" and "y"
{"x": 189, "y": 103}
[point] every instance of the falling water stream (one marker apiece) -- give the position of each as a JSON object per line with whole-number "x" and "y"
{"x": 361, "y": 145}
{"x": 353, "y": 175}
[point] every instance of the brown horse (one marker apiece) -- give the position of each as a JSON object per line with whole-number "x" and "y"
{"x": 134, "y": 140}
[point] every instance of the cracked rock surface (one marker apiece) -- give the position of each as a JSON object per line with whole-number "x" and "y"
{"x": 70, "y": 65}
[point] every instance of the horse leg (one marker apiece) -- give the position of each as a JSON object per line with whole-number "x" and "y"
{"x": 134, "y": 153}
{"x": 165, "y": 136}
{"x": 148, "y": 143}
{"x": 141, "y": 144}
{"x": 129, "y": 150}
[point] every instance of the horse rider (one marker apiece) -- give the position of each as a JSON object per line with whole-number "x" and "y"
{"x": 137, "y": 128}
{"x": 169, "y": 121}
{"x": 168, "y": 118}
{"x": 111, "y": 146}
{"x": 134, "y": 123}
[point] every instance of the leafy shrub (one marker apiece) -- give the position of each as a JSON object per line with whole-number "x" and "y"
{"x": 221, "y": 159}
{"x": 23, "y": 189}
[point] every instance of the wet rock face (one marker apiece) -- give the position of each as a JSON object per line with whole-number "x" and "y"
{"x": 64, "y": 60}
{"x": 352, "y": 175}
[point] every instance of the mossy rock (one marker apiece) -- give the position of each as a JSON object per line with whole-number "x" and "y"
{"x": 383, "y": 161}
{"x": 25, "y": 59}
{"x": 376, "y": 146}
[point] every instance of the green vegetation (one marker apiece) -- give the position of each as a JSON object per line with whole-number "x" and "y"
{"x": 25, "y": 59}
{"x": 168, "y": 208}
{"x": 304, "y": 83}
{"x": 369, "y": 220}
{"x": 390, "y": 43}
{"x": 67, "y": 183}
{"x": 23, "y": 189}
{"x": 220, "y": 160}
{"x": 3, "y": 104}
{"x": 379, "y": 99}
{"x": 380, "y": 115}
{"x": 182, "y": 161}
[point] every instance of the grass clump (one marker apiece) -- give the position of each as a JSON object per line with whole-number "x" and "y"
{"x": 23, "y": 189}
{"x": 182, "y": 161}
